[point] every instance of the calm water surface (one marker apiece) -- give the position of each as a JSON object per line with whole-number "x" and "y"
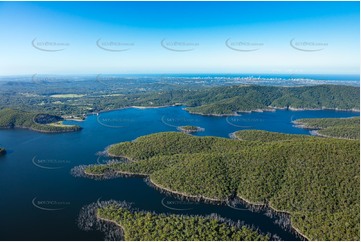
{"x": 40, "y": 200}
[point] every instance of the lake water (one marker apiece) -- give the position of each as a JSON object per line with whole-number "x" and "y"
{"x": 40, "y": 200}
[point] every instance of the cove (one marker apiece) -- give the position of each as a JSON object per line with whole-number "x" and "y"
{"x": 43, "y": 200}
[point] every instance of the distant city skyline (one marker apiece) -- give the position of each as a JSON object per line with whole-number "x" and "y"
{"x": 66, "y": 38}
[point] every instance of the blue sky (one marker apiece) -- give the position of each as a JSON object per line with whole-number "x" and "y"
{"x": 179, "y": 37}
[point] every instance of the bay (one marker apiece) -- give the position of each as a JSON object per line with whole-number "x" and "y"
{"x": 41, "y": 200}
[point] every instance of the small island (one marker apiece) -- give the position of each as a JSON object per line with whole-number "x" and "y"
{"x": 190, "y": 129}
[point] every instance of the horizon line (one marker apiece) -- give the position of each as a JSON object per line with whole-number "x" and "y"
{"x": 182, "y": 73}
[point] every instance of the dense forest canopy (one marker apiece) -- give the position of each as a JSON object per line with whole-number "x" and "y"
{"x": 227, "y": 100}
{"x": 64, "y": 99}
{"x": 316, "y": 180}
{"x": 266, "y": 136}
{"x": 154, "y": 227}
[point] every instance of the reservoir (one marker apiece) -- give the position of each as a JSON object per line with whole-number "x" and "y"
{"x": 41, "y": 200}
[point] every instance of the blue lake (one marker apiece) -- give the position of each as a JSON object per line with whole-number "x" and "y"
{"x": 41, "y": 200}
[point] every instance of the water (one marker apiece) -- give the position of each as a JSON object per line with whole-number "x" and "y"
{"x": 35, "y": 171}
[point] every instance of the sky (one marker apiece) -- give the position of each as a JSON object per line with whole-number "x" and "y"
{"x": 179, "y": 37}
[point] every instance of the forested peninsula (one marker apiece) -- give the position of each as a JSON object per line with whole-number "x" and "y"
{"x": 314, "y": 179}
{"x": 141, "y": 225}
{"x": 346, "y": 128}
{"x": 10, "y": 118}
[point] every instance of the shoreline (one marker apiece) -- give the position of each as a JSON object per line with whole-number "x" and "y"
{"x": 236, "y": 113}
{"x": 184, "y": 130}
{"x": 161, "y": 188}
{"x": 92, "y": 174}
{"x": 273, "y": 109}
{"x": 107, "y": 153}
{"x": 151, "y": 107}
{"x": 233, "y": 136}
{"x": 132, "y": 174}
{"x": 63, "y": 128}
{"x": 214, "y": 200}
{"x": 293, "y": 227}
{"x": 185, "y": 195}
{"x": 275, "y": 210}
{"x": 113, "y": 222}
{"x": 42, "y": 131}
{"x": 219, "y": 201}
{"x": 323, "y": 108}
{"x": 314, "y": 131}
{"x": 74, "y": 119}
{"x": 205, "y": 199}
{"x": 219, "y": 218}
{"x": 129, "y": 107}
{"x": 212, "y": 115}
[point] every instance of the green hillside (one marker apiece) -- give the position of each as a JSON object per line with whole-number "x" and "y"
{"x": 348, "y": 128}
{"x": 170, "y": 227}
{"x": 10, "y": 118}
{"x": 316, "y": 180}
{"x": 265, "y": 136}
{"x": 228, "y": 100}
